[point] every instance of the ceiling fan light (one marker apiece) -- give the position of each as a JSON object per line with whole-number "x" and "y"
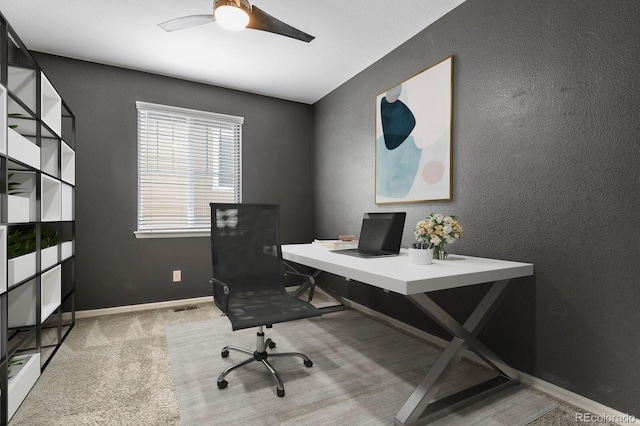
{"x": 231, "y": 16}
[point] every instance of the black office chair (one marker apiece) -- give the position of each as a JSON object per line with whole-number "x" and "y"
{"x": 248, "y": 279}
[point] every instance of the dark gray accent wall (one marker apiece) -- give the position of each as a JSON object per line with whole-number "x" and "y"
{"x": 113, "y": 267}
{"x": 545, "y": 160}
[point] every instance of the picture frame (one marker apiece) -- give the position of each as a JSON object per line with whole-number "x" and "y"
{"x": 414, "y": 125}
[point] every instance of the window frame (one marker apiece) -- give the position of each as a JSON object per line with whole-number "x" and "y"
{"x": 188, "y": 114}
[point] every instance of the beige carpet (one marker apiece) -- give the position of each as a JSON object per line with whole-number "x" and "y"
{"x": 112, "y": 370}
{"x": 363, "y": 372}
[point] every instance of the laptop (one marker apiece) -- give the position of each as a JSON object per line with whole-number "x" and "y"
{"x": 380, "y": 235}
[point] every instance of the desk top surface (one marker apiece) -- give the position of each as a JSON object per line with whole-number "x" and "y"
{"x": 398, "y": 275}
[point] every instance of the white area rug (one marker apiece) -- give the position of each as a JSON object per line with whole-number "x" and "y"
{"x": 363, "y": 373}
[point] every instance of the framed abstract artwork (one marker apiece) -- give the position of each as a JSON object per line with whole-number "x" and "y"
{"x": 414, "y": 122}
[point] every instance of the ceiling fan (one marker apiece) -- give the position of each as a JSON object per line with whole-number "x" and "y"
{"x": 236, "y": 15}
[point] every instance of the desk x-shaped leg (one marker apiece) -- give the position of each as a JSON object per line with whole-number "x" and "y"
{"x": 421, "y": 407}
{"x": 310, "y": 284}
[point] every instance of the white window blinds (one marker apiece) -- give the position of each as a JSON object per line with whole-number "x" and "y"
{"x": 186, "y": 160}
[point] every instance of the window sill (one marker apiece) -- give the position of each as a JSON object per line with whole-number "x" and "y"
{"x": 173, "y": 233}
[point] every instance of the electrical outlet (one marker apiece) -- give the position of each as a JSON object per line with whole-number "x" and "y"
{"x": 177, "y": 276}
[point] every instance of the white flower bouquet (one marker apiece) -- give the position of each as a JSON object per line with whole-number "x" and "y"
{"x": 436, "y": 231}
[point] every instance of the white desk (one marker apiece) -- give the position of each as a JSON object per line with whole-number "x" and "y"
{"x": 414, "y": 281}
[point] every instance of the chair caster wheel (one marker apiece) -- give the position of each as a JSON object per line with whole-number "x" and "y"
{"x": 280, "y": 393}
{"x": 223, "y": 384}
{"x": 308, "y": 363}
{"x": 272, "y": 344}
{"x": 225, "y": 354}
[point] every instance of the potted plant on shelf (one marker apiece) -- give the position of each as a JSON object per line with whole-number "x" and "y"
{"x": 439, "y": 230}
{"x": 18, "y": 200}
{"x": 13, "y": 362}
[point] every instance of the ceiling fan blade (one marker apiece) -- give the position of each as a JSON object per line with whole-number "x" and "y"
{"x": 186, "y": 22}
{"x": 260, "y": 20}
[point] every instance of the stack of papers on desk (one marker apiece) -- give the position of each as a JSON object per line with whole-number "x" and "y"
{"x": 336, "y": 244}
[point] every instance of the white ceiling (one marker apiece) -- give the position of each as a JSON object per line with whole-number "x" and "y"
{"x": 350, "y": 36}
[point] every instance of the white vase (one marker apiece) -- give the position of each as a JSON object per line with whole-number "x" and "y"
{"x": 421, "y": 256}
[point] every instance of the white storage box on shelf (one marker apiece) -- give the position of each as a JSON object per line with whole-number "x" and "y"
{"x": 51, "y": 105}
{"x": 48, "y": 257}
{"x": 51, "y": 286}
{"x": 19, "y": 209}
{"x": 3, "y": 258}
{"x": 20, "y": 268}
{"x": 22, "y": 149}
{"x": 51, "y": 200}
{"x": 66, "y": 250}
{"x": 3, "y": 119}
{"x": 23, "y": 377}
{"x": 68, "y": 164}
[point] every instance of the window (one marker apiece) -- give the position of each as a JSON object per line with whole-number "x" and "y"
{"x": 186, "y": 160}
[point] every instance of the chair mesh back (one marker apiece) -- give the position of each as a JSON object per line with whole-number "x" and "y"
{"x": 245, "y": 246}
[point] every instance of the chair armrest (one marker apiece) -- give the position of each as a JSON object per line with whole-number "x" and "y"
{"x": 220, "y": 294}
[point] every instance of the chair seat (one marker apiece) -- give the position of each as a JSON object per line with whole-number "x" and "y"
{"x": 266, "y": 307}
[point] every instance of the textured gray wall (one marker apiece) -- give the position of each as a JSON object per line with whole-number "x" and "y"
{"x": 113, "y": 267}
{"x": 546, "y": 125}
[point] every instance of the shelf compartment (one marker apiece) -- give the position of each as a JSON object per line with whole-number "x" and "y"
{"x": 20, "y": 268}
{"x": 49, "y": 156}
{"x": 21, "y": 204}
{"x": 68, "y": 164}
{"x": 22, "y": 149}
{"x": 22, "y": 305}
{"x": 51, "y": 285}
{"x": 51, "y": 200}
{"x": 24, "y": 376}
{"x": 22, "y": 299}
{"x": 21, "y": 119}
{"x": 22, "y": 83}
{"x": 51, "y": 105}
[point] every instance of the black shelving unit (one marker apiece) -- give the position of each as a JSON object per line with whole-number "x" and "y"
{"x": 37, "y": 221}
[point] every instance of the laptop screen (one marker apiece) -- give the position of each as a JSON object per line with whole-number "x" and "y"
{"x": 382, "y": 231}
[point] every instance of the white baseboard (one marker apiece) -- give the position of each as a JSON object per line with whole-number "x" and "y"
{"x": 135, "y": 308}
{"x": 603, "y": 414}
